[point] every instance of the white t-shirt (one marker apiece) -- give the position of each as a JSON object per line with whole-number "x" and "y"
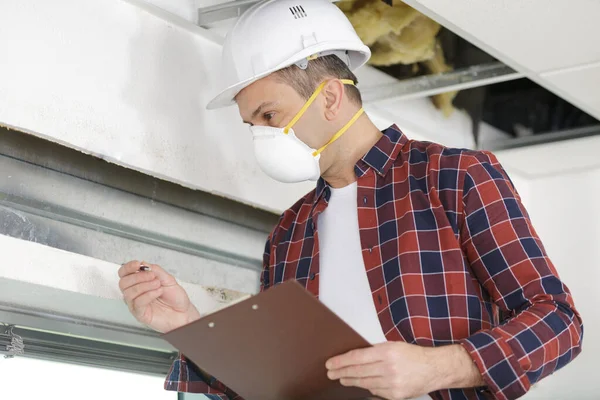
{"x": 343, "y": 284}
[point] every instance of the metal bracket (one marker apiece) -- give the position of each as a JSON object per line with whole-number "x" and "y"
{"x": 14, "y": 343}
{"x": 219, "y": 12}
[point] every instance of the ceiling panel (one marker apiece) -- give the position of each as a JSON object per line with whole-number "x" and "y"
{"x": 581, "y": 83}
{"x": 538, "y": 35}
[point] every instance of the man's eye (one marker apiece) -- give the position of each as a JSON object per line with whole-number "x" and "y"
{"x": 268, "y": 116}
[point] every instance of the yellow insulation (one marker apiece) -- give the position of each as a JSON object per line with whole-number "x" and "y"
{"x": 399, "y": 34}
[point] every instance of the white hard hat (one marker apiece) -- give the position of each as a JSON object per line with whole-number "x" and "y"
{"x": 275, "y": 34}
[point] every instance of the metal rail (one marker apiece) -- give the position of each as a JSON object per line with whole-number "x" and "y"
{"x": 80, "y": 351}
{"x": 429, "y": 85}
{"x": 543, "y": 138}
{"x": 99, "y": 219}
{"x": 63, "y": 199}
{"x": 75, "y": 326}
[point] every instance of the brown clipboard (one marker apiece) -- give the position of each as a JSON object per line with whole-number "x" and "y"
{"x": 272, "y": 346}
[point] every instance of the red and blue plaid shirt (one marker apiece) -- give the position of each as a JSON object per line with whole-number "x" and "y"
{"x": 451, "y": 257}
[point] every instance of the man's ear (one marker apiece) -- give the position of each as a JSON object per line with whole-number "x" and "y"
{"x": 333, "y": 92}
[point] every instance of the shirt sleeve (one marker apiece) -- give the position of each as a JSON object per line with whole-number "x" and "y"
{"x": 543, "y": 330}
{"x": 185, "y": 376}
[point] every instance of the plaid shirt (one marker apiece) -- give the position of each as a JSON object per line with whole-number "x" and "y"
{"x": 451, "y": 257}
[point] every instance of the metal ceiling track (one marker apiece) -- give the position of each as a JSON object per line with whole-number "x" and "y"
{"x": 64, "y": 199}
{"x": 81, "y": 351}
{"x": 77, "y": 327}
{"x": 79, "y": 222}
{"x": 429, "y": 85}
{"x": 544, "y": 138}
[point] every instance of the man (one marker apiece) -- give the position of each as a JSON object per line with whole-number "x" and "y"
{"x": 426, "y": 251}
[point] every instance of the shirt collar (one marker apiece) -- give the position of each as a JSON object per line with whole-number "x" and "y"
{"x": 380, "y": 157}
{"x": 384, "y": 153}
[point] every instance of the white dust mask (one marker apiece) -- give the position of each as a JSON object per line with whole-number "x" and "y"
{"x": 284, "y": 157}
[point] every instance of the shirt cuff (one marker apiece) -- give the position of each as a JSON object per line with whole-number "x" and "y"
{"x": 183, "y": 377}
{"x": 499, "y": 367}
{"x": 192, "y": 387}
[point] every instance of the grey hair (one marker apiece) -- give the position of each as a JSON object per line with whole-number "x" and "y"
{"x": 305, "y": 81}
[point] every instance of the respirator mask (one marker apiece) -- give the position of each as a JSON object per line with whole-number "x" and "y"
{"x": 284, "y": 157}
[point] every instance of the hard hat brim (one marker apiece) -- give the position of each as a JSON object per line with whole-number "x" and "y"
{"x": 361, "y": 55}
{"x": 227, "y": 97}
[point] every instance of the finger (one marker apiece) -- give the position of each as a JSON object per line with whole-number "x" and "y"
{"x": 135, "y": 291}
{"x": 130, "y": 267}
{"x": 357, "y": 371}
{"x": 142, "y": 301}
{"x": 382, "y": 393}
{"x": 371, "y": 383}
{"x": 131, "y": 280}
{"x": 355, "y": 357}
{"x": 163, "y": 276}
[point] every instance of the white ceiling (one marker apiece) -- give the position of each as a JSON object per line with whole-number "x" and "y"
{"x": 583, "y": 83}
{"x": 555, "y": 43}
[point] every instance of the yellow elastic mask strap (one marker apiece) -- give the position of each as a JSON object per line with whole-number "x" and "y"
{"x": 309, "y": 102}
{"x": 340, "y": 132}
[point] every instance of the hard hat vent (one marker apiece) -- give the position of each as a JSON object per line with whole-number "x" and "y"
{"x": 298, "y": 12}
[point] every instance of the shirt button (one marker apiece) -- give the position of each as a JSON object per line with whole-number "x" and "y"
{"x": 365, "y": 200}
{"x": 312, "y": 276}
{"x": 379, "y": 298}
{"x": 370, "y": 249}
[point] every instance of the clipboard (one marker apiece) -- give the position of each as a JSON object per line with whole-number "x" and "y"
{"x": 272, "y": 346}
